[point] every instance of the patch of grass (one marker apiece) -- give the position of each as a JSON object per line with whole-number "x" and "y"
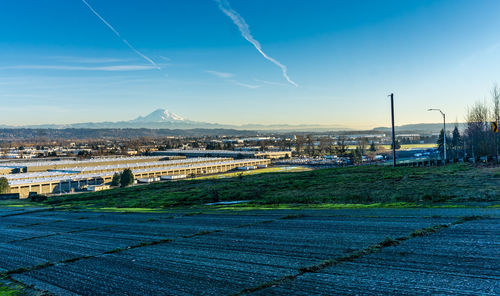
{"x": 388, "y": 242}
{"x": 356, "y": 187}
{"x": 254, "y": 172}
{"x": 139, "y": 245}
{"x": 26, "y": 269}
{"x": 404, "y": 146}
{"x": 193, "y": 214}
{"x": 468, "y": 218}
{"x": 118, "y": 209}
{"x": 20, "y": 203}
{"x": 315, "y": 206}
{"x": 149, "y": 220}
{"x": 292, "y": 216}
{"x": 203, "y": 232}
{"x": 71, "y": 260}
{"x": 8, "y": 290}
{"x": 428, "y": 230}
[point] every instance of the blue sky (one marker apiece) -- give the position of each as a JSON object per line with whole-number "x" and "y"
{"x": 59, "y": 63}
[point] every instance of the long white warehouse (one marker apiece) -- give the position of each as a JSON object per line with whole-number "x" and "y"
{"x": 73, "y": 182}
{"x": 68, "y": 172}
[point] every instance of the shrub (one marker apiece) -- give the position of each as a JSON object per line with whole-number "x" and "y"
{"x": 214, "y": 194}
{"x": 435, "y": 196}
{"x": 38, "y": 198}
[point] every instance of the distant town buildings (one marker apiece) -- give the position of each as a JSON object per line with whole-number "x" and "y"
{"x": 224, "y": 153}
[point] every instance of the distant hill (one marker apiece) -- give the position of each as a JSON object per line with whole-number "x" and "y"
{"x": 15, "y": 134}
{"x": 430, "y": 128}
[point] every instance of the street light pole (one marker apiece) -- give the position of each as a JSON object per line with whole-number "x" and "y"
{"x": 393, "y": 132}
{"x": 444, "y": 131}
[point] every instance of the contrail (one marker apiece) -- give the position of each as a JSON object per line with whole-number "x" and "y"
{"x": 245, "y": 32}
{"x": 119, "y": 36}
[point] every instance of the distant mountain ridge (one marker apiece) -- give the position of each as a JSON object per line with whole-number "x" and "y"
{"x": 423, "y": 127}
{"x": 164, "y": 119}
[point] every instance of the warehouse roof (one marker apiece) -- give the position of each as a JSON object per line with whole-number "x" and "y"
{"x": 76, "y": 177}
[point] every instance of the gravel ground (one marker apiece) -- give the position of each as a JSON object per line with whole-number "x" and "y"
{"x": 219, "y": 253}
{"x": 461, "y": 260}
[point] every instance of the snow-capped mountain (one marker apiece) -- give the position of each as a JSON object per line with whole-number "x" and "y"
{"x": 160, "y": 115}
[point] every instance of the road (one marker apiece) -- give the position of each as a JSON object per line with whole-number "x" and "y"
{"x": 272, "y": 252}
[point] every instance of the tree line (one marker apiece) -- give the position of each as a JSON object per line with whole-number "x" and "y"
{"x": 478, "y": 139}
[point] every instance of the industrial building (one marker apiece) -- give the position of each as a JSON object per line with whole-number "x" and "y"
{"x": 41, "y": 166}
{"x": 68, "y": 172}
{"x": 65, "y": 180}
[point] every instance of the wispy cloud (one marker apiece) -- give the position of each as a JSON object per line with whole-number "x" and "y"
{"x": 88, "y": 60}
{"x": 220, "y": 74}
{"x": 119, "y": 36}
{"x": 80, "y": 68}
{"x": 270, "y": 82}
{"x": 244, "y": 84}
{"x": 245, "y": 32}
{"x": 480, "y": 54}
{"x": 226, "y": 77}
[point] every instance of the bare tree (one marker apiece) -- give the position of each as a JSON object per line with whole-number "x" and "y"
{"x": 325, "y": 144}
{"x": 495, "y": 95}
{"x": 341, "y": 146}
{"x": 310, "y": 145}
{"x": 362, "y": 144}
{"x": 299, "y": 143}
{"x": 477, "y": 129}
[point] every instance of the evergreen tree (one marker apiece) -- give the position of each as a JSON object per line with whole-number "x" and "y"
{"x": 372, "y": 147}
{"x": 398, "y": 145}
{"x": 299, "y": 144}
{"x": 127, "y": 178}
{"x": 116, "y": 179}
{"x": 4, "y": 185}
{"x": 456, "y": 142}
{"x": 440, "y": 143}
{"x": 357, "y": 156}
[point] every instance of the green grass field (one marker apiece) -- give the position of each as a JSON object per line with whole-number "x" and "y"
{"x": 364, "y": 186}
{"x": 289, "y": 169}
{"x": 403, "y": 146}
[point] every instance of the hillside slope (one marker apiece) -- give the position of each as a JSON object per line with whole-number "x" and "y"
{"x": 356, "y": 185}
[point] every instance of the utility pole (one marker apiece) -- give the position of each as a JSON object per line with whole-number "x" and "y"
{"x": 463, "y": 143}
{"x": 444, "y": 131}
{"x": 494, "y": 129}
{"x": 393, "y": 132}
{"x": 496, "y": 145}
{"x": 444, "y": 136}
